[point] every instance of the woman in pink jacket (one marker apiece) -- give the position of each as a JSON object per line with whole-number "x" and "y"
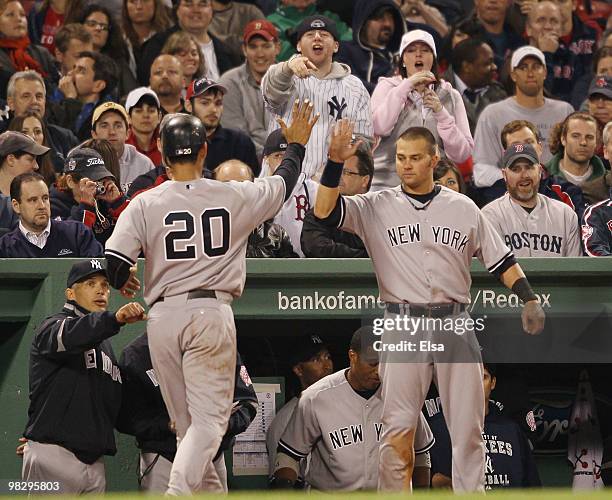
{"x": 417, "y": 98}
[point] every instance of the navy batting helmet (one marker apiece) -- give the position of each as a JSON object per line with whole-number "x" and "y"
{"x": 182, "y": 135}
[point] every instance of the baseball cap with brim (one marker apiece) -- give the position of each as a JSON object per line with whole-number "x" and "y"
{"x": 262, "y": 28}
{"x": 418, "y": 36}
{"x": 109, "y": 106}
{"x": 317, "y": 22}
{"x": 13, "y": 142}
{"x": 86, "y": 162}
{"x": 518, "y": 151}
{"x": 275, "y": 142}
{"x": 134, "y": 97}
{"x": 601, "y": 85}
{"x": 305, "y": 348}
{"x": 526, "y": 51}
{"x": 85, "y": 269}
{"x": 201, "y": 85}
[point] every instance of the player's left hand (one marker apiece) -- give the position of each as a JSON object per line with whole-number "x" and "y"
{"x": 132, "y": 285}
{"x": 431, "y": 100}
{"x": 342, "y": 146}
{"x": 19, "y": 451}
{"x": 533, "y": 318}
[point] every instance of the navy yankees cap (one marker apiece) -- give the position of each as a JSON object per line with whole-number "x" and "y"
{"x": 517, "y": 151}
{"x": 305, "y": 348}
{"x": 275, "y": 142}
{"x": 317, "y": 22}
{"x": 86, "y": 162}
{"x": 601, "y": 85}
{"x": 85, "y": 269}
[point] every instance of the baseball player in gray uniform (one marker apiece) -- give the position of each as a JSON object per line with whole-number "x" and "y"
{"x": 532, "y": 225}
{"x": 312, "y": 74}
{"x": 338, "y": 422}
{"x": 421, "y": 238}
{"x": 193, "y": 233}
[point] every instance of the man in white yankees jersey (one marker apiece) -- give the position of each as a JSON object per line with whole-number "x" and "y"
{"x": 338, "y": 423}
{"x": 532, "y": 225}
{"x": 421, "y": 239}
{"x": 311, "y": 74}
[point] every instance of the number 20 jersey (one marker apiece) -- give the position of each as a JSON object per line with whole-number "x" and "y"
{"x": 194, "y": 234}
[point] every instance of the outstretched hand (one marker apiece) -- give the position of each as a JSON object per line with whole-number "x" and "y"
{"x": 533, "y": 318}
{"x": 301, "y": 123}
{"x": 341, "y": 146}
{"x": 130, "y": 313}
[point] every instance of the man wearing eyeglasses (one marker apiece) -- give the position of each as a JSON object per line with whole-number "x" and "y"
{"x": 321, "y": 241}
{"x": 194, "y": 17}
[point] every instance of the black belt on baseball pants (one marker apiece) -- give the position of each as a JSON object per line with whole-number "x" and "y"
{"x": 195, "y": 294}
{"x": 427, "y": 310}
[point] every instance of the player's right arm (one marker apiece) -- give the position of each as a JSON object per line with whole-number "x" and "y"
{"x": 123, "y": 248}
{"x": 58, "y": 337}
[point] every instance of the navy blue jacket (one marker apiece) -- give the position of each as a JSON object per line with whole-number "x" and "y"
{"x": 570, "y": 63}
{"x": 367, "y": 63}
{"x": 64, "y": 207}
{"x": 66, "y": 239}
{"x": 75, "y": 383}
{"x": 509, "y": 460}
{"x": 597, "y": 229}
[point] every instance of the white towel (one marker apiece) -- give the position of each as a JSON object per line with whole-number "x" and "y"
{"x": 585, "y": 448}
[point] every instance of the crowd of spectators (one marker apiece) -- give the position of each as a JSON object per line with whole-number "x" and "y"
{"x": 85, "y": 86}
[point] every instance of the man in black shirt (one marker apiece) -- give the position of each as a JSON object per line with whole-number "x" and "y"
{"x": 75, "y": 386}
{"x": 205, "y": 100}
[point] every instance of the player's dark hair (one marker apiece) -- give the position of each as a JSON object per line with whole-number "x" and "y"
{"x": 516, "y": 125}
{"x": 363, "y": 339}
{"x": 19, "y": 180}
{"x": 104, "y": 69}
{"x": 445, "y": 166}
{"x": 465, "y": 51}
{"x": 560, "y": 129}
{"x": 414, "y": 133}
{"x": 365, "y": 161}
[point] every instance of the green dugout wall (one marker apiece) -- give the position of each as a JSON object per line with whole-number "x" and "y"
{"x": 285, "y": 291}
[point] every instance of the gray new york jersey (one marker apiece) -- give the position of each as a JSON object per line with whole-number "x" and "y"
{"x": 422, "y": 252}
{"x": 341, "y": 431}
{"x": 194, "y": 234}
{"x": 550, "y": 230}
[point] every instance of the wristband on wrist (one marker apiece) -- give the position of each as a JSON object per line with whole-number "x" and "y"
{"x": 523, "y": 290}
{"x": 331, "y": 174}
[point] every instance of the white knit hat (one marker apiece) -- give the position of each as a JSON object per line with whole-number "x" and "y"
{"x": 418, "y": 36}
